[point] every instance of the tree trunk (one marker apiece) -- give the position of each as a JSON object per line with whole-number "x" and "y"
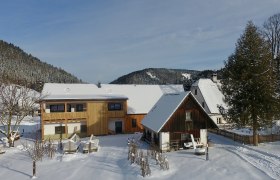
{"x": 255, "y": 134}
{"x": 10, "y": 142}
{"x": 34, "y": 168}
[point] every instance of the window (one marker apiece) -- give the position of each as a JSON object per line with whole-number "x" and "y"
{"x": 114, "y": 106}
{"x": 188, "y": 115}
{"x": 195, "y": 92}
{"x": 59, "y": 129}
{"x": 79, "y": 107}
{"x": 83, "y": 128}
{"x": 57, "y": 108}
{"x": 203, "y": 104}
{"x": 219, "y": 121}
{"x": 133, "y": 123}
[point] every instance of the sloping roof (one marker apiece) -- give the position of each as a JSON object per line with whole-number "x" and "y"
{"x": 172, "y": 88}
{"x": 211, "y": 94}
{"x": 163, "y": 110}
{"x": 57, "y": 91}
{"x": 141, "y": 98}
{"x": 65, "y": 89}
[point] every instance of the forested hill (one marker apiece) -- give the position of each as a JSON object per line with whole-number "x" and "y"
{"x": 18, "y": 67}
{"x": 163, "y": 76}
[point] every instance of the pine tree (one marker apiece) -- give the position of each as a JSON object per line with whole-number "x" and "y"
{"x": 249, "y": 82}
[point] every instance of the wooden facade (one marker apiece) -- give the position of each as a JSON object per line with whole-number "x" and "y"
{"x": 177, "y": 123}
{"x": 188, "y": 117}
{"x": 92, "y": 117}
{"x": 133, "y": 123}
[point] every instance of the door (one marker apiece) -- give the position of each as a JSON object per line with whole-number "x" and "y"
{"x": 118, "y": 127}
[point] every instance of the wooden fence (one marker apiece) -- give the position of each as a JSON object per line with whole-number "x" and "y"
{"x": 246, "y": 139}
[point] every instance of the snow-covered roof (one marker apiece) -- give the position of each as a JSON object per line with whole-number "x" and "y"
{"x": 211, "y": 94}
{"x": 163, "y": 110}
{"x": 172, "y": 88}
{"x": 141, "y": 98}
{"x": 65, "y": 89}
{"x": 56, "y": 91}
{"x": 84, "y": 97}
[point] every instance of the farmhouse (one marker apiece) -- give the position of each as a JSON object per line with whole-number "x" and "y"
{"x": 89, "y": 109}
{"x": 173, "y": 118}
{"x": 209, "y": 95}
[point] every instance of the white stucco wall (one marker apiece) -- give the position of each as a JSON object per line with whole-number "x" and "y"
{"x": 215, "y": 118}
{"x": 111, "y": 124}
{"x": 49, "y": 129}
{"x": 203, "y": 136}
{"x": 164, "y": 141}
{"x": 72, "y": 126}
{"x": 199, "y": 97}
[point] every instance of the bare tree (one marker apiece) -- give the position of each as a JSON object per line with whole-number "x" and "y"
{"x": 35, "y": 151}
{"x": 271, "y": 31}
{"x": 16, "y": 102}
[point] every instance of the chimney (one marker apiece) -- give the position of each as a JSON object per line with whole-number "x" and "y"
{"x": 214, "y": 77}
{"x": 99, "y": 84}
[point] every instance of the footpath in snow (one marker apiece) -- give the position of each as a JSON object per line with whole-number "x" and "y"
{"x": 265, "y": 157}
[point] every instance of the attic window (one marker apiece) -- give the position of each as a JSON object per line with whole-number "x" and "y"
{"x": 188, "y": 116}
{"x": 195, "y": 92}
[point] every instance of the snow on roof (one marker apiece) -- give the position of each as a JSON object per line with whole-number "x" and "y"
{"x": 211, "y": 94}
{"x": 64, "y": 89}
{"x": 172, "y": 88}
{"x": 141, "y": 98}
{"x": 163, "y": 110}
{"x": 84, "y": 97}
{"x": 56, "y": 91}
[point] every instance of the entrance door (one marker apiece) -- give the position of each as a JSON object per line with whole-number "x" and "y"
{"x": 118, "y": 127}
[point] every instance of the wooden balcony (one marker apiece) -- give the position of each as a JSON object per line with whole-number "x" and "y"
{"x": 64, "y": 115}
{"x": 116, "y": 114}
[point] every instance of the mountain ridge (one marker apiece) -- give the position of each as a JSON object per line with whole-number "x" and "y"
{"x": 164, "y": 76}
{"x": 19, "y": 67}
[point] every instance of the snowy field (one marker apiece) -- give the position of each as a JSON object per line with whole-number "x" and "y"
{"x": 228, "y": 160}
{"x": 262, "y": 131}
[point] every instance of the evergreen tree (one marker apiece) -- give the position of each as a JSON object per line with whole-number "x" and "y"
{"x": 249, "y": 82}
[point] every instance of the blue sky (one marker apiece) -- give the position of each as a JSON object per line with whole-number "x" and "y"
{"x": 100, "y": 40}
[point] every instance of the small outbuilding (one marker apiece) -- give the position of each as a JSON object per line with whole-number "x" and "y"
{"x": 173, "y": 118}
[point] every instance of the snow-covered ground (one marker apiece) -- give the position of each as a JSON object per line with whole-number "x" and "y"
{"x": 262, "y": 131}
{"x": 28, "y": 125}
{"x": 228, "y": 160}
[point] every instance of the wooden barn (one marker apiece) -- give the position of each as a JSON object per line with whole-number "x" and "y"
{"x": 173, "y": 118}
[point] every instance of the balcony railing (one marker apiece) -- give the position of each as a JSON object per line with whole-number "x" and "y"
{"x": 64, "y": 115}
